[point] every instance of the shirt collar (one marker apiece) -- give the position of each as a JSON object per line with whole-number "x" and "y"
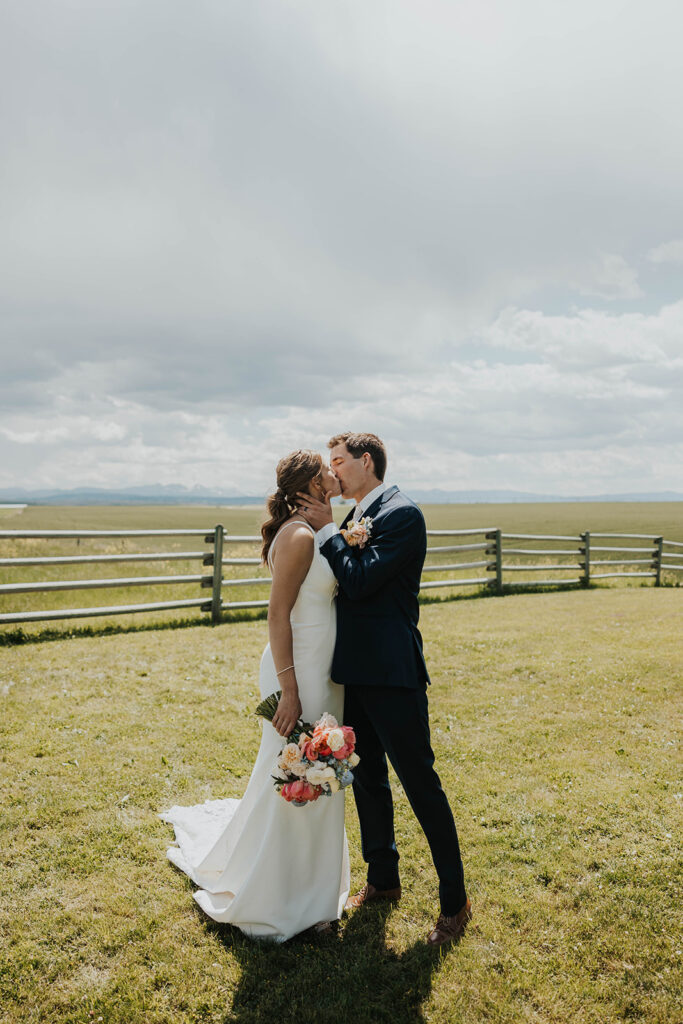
{"x": 365, "y": 503}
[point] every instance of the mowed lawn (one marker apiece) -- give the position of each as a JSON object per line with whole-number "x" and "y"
{"x": 555, "y": 726}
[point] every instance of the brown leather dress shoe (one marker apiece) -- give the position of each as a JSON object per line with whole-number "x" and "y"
{"x": 450, "y": 929}
{"x": 368, "y": 893}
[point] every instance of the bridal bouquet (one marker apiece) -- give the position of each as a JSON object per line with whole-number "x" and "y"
{"x": 316, "y": 759}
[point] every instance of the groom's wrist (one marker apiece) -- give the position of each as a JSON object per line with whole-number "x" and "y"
{"x": 325, "y": 532}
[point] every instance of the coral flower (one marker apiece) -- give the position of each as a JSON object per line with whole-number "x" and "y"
{"x": 349, "y": 736}
{"x": 302, "y": 791}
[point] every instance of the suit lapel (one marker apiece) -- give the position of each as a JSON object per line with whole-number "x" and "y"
{"x": 373, "y": 509}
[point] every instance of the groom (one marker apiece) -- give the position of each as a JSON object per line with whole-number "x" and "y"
{"x": 378, "y": 659}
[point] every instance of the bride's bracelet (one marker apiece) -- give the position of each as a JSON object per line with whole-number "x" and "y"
{"x": 283, "y": 670}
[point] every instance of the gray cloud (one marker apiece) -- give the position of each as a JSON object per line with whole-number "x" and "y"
{"x": 235, "y": 211}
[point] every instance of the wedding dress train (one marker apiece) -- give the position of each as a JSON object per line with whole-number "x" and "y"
{"x": 268, "y": 867}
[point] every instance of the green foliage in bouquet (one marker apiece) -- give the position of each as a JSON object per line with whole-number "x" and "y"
{"x": 268, "y": 707}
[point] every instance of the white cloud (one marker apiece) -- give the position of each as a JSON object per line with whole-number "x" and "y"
{"x": 667, "y": 252}
{"x": 591, "y": 338}
{"x": 56, "y": 429}
{"x": 610, "y": 277}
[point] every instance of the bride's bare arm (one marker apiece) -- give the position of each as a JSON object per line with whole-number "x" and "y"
{"x": 291, "y": 561}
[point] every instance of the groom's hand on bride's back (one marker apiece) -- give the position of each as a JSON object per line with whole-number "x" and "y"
{"x": 317, "y": 513}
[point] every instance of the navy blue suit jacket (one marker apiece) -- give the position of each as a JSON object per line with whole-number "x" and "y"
{"x": 378, "y": 642}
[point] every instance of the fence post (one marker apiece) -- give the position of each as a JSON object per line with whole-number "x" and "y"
{"x": 215, "y": 581}
{"x": 659, "y": 545}
{"x": 217, "y": 574}
{"x": 586, "y": 538}
{"x": 496, "y": 537}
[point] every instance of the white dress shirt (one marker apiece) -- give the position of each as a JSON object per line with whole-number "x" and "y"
{"x": 359, "y": 511}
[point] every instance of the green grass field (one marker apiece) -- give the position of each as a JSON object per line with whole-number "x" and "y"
{"x": 555, "y": 723}
{"x": 661, "y": 518}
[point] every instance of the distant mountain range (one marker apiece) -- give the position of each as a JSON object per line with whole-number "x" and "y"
{"x": 177, "y": 494}
{"x": 437, "y": 497}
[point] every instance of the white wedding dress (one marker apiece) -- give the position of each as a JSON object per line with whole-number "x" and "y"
{"x": 267, "y": 867}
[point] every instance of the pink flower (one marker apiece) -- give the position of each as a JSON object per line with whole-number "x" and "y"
{"x": 310, "y": 751}
{"x": 349, "y": 736}
{"x": 301, "y": 791}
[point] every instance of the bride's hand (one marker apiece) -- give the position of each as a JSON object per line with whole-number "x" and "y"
{"x": 288, "y": 713}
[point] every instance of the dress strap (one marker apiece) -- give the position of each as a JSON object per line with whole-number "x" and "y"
{"x": 290, "y": 522}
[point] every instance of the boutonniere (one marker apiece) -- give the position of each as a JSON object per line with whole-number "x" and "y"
{"x": 358, "y": 533}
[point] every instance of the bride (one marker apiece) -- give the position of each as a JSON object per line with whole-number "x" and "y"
{"x": 267, "y": 867}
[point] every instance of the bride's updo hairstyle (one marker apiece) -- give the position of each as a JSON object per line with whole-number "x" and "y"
{"x": 294, "y": 473}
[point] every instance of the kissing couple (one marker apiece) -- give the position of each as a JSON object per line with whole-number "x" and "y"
{"x": 343, "y": 640}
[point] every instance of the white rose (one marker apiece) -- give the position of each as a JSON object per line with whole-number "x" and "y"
{"x": 318, "y": 774}
{"x": 335, "y": 739}
{"x": 334, "y": 785}
{"x": 353, "y": 760}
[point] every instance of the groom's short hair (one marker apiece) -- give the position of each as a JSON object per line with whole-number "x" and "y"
{"x": 357, "y": 444}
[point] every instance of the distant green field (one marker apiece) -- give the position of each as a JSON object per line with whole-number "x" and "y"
{"x": 652, "y": 518}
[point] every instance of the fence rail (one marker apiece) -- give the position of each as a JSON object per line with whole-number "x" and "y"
{"x": 496, "y": 546}
{"x": 29, "y": 534}
{"x": 163, "y": 556}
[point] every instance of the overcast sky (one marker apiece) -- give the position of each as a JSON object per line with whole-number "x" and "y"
{"x": 229, "y": 229}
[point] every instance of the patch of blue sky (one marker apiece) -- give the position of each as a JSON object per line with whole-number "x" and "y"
{"x": 475, "y": 351}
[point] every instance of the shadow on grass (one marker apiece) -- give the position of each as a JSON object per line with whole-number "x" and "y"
{"x": 18, "y": 637}
{"x": 349, "y": 974}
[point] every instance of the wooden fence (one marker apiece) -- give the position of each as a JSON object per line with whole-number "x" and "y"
{"x": 499, "y": 554}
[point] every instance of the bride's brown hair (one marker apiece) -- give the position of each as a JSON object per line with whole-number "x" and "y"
{"x": 294, "y": 473}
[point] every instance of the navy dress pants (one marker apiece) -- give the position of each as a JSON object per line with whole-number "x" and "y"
{"x": 393, "y": 722}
